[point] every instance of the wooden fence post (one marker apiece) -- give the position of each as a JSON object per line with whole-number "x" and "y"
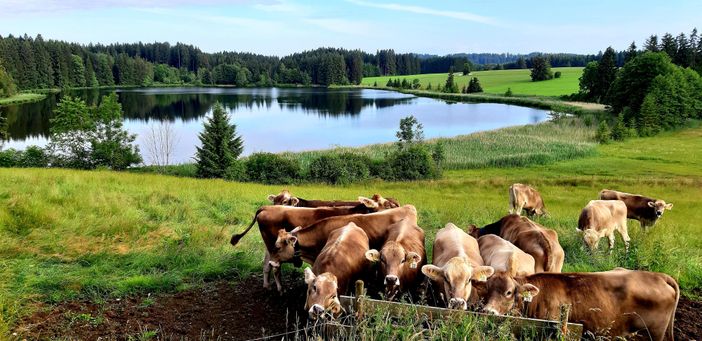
{"x": 359, "y": 298}
{"x": 563, "y": 319}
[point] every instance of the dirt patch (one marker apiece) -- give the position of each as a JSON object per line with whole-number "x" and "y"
{"x": 220, "y": 310}
{"x": 688, "y": 320}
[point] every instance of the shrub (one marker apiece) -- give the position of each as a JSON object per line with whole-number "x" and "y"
{"x": 413, "y": 163}
{"x": 620, "y": 131}
{"x": 33, "y": 156}
{"x": 589, "y": 120}
{"x": 603, "y": 134}
{"x": 357, "y": 165}
{"x": 557, "y": 74}
{"x": 236, "y": 171}
{"x": 9, "y": 158}
{"x": 271, "y": 169}
{"x": 438, "y": 153}
{"x": 508, "y": 93}
{"x": 329, "y": 168}
{"x": 380, "y": 169}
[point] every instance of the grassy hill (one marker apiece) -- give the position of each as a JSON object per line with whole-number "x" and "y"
{"x": 497, "y": 81}
{"x": 95, "y": 234}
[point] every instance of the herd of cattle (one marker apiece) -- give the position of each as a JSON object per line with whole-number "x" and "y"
{"x": 512, "y": 265}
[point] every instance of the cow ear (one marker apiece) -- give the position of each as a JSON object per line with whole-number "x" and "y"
{"x": 309, "y": 276}
{"x": 294, "y": 201}
{"x": 271, "y": 197}
{"x": 473, "y": 231}
{"x": 481, "y": 273}
{"x": 433, "y": 272}
{"x": 669, "y": 206}
{"x": 373, "y": 255}
{"x": 370, "y": 203}
{"x": 651, "y": 204}
{"x": 528, "y": 291}
{"x": 413, "y": 258}
{"x": 292, "y": 240}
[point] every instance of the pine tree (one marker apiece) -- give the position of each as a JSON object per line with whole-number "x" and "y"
{"x": 220, "y": 146}
{"x": 649, "y": 118}
{"x": 651, "y": 44}
{"x": 606, "y": 74}
{"x": 603, "y": 134}
{"x": 630, "y": 52}
{"x": 389, "y": 84}
{"x": 474, "y": 86}
{"x": 619, "y": 131}
{"x": 668, "y": 45}
{"x": 541, "y": 69}
{"x": 451, "y": 85}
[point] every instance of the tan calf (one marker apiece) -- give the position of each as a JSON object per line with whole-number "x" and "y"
{"x": 600, "y": 218}
{"x": 456, "y": 261}
{"x": 503, "y": 256}
{"x": 523, "y": 197}
{"x": 340, "y": 263}
{"x": 644, "y": 209}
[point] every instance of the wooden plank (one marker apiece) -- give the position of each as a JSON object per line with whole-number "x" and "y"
{"x": 544, "y": 327}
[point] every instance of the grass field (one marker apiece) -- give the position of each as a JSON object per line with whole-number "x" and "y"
{"x": 22, "y": 98}
{"x": 67, "y": 234}
{"x": 497, "y": 81}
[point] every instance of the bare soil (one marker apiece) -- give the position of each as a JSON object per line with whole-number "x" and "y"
{"x": 219, "y": 310}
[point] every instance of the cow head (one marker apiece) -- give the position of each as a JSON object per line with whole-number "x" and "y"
{"x": 394, "y": 262}
{"x": 473, "y": 231}
{"x": 283, "y": 198}
{"x": 322, "y": 299}
{"x": 385, "y": 203}
{"x": 454, "y": 279}
{"x": 284, "y": 248}
{"x": 504, "y": 294}
{"x": 659, "y": 206}
{"x": 591, "y": 238}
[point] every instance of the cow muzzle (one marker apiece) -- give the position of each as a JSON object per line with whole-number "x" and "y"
{"x": 659, "y": 213}
{"x": 458, "y": 303}
{"x": 391, "y": 280}
{"x": 316, "y": 312}
{"x": 491, "y": 310}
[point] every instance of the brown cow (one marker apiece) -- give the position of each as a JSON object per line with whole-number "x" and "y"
{"x": 273, "y": 218}
{"x": 646, "y": 210}
{"x": 502, "y": 255}
{"x": 601, "y": 218}
{"x": 617, "y": 303}
{"x": 532, "y": 238}
{"x": 308, "y": 241}
{"x": 456, "y": 261}
{"x": 401, "y": 258}
{"x": 287, "y": 199}
{"x": 523, "y": 197}
{"x": 340, "y": 263}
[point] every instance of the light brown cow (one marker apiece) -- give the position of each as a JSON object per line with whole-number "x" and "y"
{"x": 617, "y": 303}
{"x": 503, "y": 256}
{"x": 273, "y": 218}
{"x": 532, "y": 238}
{"x": 600, "y": 218}
{"x": 523, "y": 197}
{"x": 287, "y": 199}
{"x": 401, "y": 258}
{"x": 456, "y": 261}
{"x": 340, "y": 263}
{"x": 644, "y": 209}
{"x": 307, "y": 242}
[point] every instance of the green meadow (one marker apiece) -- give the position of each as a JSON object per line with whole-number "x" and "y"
{"x": 498, "y": 81}
{"x": 68, "y": 234}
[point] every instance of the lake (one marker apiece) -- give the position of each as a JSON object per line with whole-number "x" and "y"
{"x": 276, "y": 119}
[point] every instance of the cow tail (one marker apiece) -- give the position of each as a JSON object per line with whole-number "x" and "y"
{"x": 546, "y": 246}
{"x": 235, "y": 238}
{"x": 670, "y": 330}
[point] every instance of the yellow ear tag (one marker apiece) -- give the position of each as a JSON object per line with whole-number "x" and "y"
{"x": 413, "y": 265}
{"x": 482, "y": 278}
{"x": 527, "y": 296}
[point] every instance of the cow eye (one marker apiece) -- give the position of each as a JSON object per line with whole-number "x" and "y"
{"x": 314, "y": 287}
{"x": 508, "y": 293}
{"x": 403, "y": 260}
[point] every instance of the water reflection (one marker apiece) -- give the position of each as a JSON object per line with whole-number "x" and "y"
{"x": 277, "y": 119}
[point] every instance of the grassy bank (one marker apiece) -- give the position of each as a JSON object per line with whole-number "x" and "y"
{"x": 67, "y": 234}
{"x": 498, "y": 81}
{"x": 22, "y": 98}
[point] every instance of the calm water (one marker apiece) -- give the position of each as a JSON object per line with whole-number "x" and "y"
{"x": 276, "y": 119}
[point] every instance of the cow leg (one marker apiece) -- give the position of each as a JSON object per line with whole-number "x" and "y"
{"x": 276, "y": 276}
{"x": 611, "y": 242}
{"x": 520, "y": 206}
{"x": 266, "y": 270}
{"x": 625, "y": 236}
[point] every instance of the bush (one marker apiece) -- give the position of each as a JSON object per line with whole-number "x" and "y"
{"x": 619, "y": 132}
{"x": 9, "y": 158}
{"x": 236, "y": 171}
{"x": 589, "y": 120}
{"x": 603, "y": 134}
{"x": 509, "y": 93}
{"x": 413, "y": 163}
{"x": 340, "y": 169}
{"x": 380, "y": 169}
{"x": 557, "y": 74}
{"x": 33, "y": 156}
{"x": 271, "y": 169}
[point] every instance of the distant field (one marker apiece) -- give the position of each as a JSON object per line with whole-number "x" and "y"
{"x": 498, "y": 81}
{"x": 22, "y": 98}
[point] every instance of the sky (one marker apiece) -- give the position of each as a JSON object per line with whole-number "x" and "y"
{"x": 281, "y": 27}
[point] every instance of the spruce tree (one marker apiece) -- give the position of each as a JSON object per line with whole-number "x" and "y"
{"x": 474, "y": 86}
{"x": 630, "y": 52}
{"x": 541, "y": 69}
{"x": 220, "y": 146}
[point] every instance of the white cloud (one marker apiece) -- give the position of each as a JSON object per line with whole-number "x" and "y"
{"x": 467, "y": 16}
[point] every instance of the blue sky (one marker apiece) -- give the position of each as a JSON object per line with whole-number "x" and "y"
{"x": 280, "y": 27}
